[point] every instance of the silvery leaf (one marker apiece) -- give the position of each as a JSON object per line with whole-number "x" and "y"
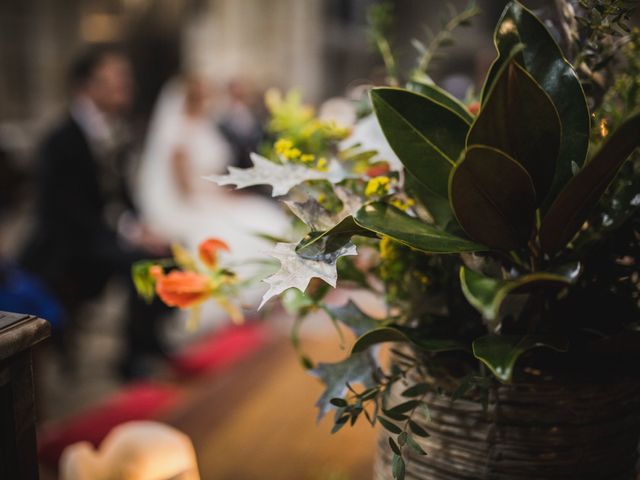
{"x": 296, "y": 271}
{"x": 354, "y": 318}
{"x": 357, "y": 369}
{"x": 313, "y": 214}
{"x": 317, "y": 217}
{"x": 281, "y": 178}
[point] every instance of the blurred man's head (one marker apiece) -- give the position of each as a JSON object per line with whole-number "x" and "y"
{"x": 103, "y": 73}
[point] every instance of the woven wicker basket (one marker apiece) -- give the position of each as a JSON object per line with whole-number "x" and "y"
{"x": 542, "y": 430}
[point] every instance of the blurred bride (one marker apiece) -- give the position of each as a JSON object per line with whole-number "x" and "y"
{"x": 182, "y": 146}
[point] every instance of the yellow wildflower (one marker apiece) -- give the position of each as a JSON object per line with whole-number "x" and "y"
{"x": 403, "y": 205}
{"x": 377, "y": 186}
{"x": 292, "y": 153}
{"x": 282, "y": 146}
{"x": 386, "y": 248}
{"x": 322, "y": 164}
{"x": 307, "y": 158}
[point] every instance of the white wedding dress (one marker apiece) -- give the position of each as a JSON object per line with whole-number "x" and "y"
{"x": 210, "y": 210}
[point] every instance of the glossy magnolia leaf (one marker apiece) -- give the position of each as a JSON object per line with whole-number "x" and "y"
{"x": 574, "y": 203}
{"x": 437, "y": 206}
{"x": 493, "y": 198}
{"x": 440, "y": 95}
{"x": 397, "y": 333}
{"x": 281, "y": 178}
{"x": 519, "y": 119}
{"x": 296, "y": 271}
{"x": 544, "y": 60}
{"x": 486, "y": 294}
{"x": 500, "y": 352}
{"x": 427, "y": 136}
{"x": 392, "y": 222}
{"x": 354, "y": 318}
{"x": 355, "y": 369}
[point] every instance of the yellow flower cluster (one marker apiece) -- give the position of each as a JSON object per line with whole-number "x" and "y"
{"x": 286, "y": 148}
{"x": 403, "y": 204}
{"x": 378, "y": 186}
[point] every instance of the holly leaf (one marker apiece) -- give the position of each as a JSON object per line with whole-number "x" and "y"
{"x": 297, "y": 271}
{"x": 400, "y": 334}
{"x": 281, "y": 178}
{"x": 486, "y": 294}
{"x": 356, "y": 369}
{"x": 500, "y": 352}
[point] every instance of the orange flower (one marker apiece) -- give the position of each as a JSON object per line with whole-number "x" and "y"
{"x": 378, "y": 169}
{"x": 474, "y": 108}
{"x": 183, "y": 289}
{"x": 208, "y": 251}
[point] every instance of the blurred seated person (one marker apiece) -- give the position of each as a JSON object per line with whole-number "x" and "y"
{"x": 85, "y": 228}
{"x": 183, "y": 145}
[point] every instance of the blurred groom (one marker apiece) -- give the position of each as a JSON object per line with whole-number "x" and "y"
{"x": 86, "y": 231}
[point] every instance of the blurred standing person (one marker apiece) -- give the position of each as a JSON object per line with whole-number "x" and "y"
{"x": 85, "y": 229}
{"x": 239, "y": 122}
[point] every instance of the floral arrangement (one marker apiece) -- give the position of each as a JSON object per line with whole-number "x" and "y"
{"x": 497, "y": 230}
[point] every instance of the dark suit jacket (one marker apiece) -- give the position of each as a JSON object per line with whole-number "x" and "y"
{"x": 72, "y": 247}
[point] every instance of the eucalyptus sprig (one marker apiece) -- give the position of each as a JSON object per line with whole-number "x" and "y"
{"x": 443, "y": 38}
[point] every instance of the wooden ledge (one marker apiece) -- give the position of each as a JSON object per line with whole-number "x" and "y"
{"x": 19, "y": 332}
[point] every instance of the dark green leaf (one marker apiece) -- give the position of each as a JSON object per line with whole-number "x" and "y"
{"x": 416, "y": 390}
{"x": 397, "y": 467}
{"x": 414, "y": 446}
{"x": 465, "y": 386}
{"x": 543, "y": 59}
{"x": 394, "y": 446}
{"x": 339, "y": 423}
{"x": 574, "y": 203}
{"x": 500, "y": 352}
{"x": 519, "y": 119}
{"x": 402, "y": 438}
{"x": 405, "y": 406}
{"x": 397, "y": 333}
{"x": 486, "y": 294}
{"x": 439, "y": 95}
{"x": 493, "y": 198}
{"x": 417, "y": 429}
{"x": 399, "y": 417}
{"x": 388, "y": 425}
{"x": 427, "y": 136}
{"x": 338, "y": 402}
{"x": 392, "y": 222}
